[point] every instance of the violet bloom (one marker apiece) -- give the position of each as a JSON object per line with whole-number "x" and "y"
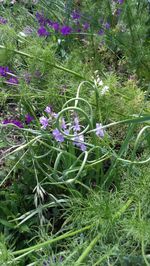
{"x": 118, "y": 11}
{"x": 76, "y": 126}
{"x": 41, "y": 19}
{"x": 101, "y": 32}
{"x": 120, "y": 2}
{"x": 78, "y": 142}
{"x": 44, "y": 122}
{"x": 12, "y": 121}
{"x": 28, "y": 118}
{"x": 107, "y": 26}
{"x": 3, "y": 20}
{"x": 55, "y": 26}
{"x": 63, "y": 123}
{"x": 99, "y": 130}
{"x": 48, "y": 110}
{"x": 3, "y": 71}
{"x": 42, "y": 32}
{"x": 13, "y": 80}
{"x": 75, "y": 15}
{"x": 86, "y": 26}
{"x": 58, "y": 136}
{"x": 65, "y": 30}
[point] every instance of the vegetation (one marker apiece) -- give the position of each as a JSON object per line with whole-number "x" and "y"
{"x": 75, "y": 133}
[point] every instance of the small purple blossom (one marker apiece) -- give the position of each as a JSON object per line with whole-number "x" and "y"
{"x": 99, "y": 130}
{"x": 65, "y": 30}
{"x": 42, "y": 32}
{"x": 13, "y": 121}
{"x": 86, "y": 26}
{"x": 77, "y": 141}
{"x": 75, "y": 15}
{"x": 58, "y": 135}
{"x": 120, "y": 2}
{"x": 55, "y": 26}
{"x": 3, "y": 71}
{"x": 3, "y": 20}
{"x": 41, "y": 19}
{"x": 28, "y": 118}
{"x": 48, "y": 110}
{"x": 101, "y": 32}
{"x": 44, "y": 122}
{"x": 13, "y": 80}
{"x": 76, "y": 126}
{"x": 63, "y": 123}
{"x": 118, "y": 11}
{"x": 107, "y": 25}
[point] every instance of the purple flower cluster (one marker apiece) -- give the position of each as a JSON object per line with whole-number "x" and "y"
{"x": 77, "y": 140}
{"x": 6, "y": 73}
{"x": 18, "y": 123}
{"x": 3, "y": 20}
{"x": 120, "y": 2}
{"x": 105, "y": 26}
{"x": 13, "y": 121}
{"x": 46, "y": 25}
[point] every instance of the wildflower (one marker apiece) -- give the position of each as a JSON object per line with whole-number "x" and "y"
{"x": 13, "y": 80}
{"x": 42, "y": 32}
{"x": 65, "y": 30}
{"x": 118, "y": 11}
{"x": 104, "y": 90}
{"x": 55, "y": 26}
{"x": 63, "y": 124}
{"x": 44, "y": 122}
{"x": 120, "y": 2}
{"x": 3, "y": 20}
{"x": 41, "y": 19}
{"x": 101, "y": 32}
{"x": 78, "y": 142}
{"x": 58, "y": 135}
{"x": 107, "y": 26}
{"x": 12, "y": 121}
{"x": 75, "y": 15}
{"x": 86, "y": 26}
{"x": 3, "y": 71}
{"x": 28, "y": 118}
{"x": 76, "y": 126}
{"x": 99, "y": 130}
{"x": 48, "y": 110}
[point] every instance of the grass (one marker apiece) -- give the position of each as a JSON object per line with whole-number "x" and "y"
{"x": 78, "y": 195}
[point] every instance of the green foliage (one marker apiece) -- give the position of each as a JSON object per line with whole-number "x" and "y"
{"x": 60, "y": 204}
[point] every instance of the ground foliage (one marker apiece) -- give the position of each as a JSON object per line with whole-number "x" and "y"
{"x": 75, "y": 123}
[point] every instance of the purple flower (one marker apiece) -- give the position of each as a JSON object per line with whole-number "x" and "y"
{"x": 55, "y": 26}
{"x": 58, "y": 135}
{"x": 65, "y": 30}
{"x": 120, "y": 2}
{"x": 48, "y": 110}
{"x": 75, "y": 15}
{"x": 86, "y": 26}
{"x": 78, "y": 142}
{"x": 13, "y": 80}
{"x": 28, "y": 118}
{"x": 63, "y": 123}
{"x": 12, "y": 121}
{"x": 44, "y": 122}
{"x": 41, "y": 19}
{"x": 3, "y": 20}
{"x": 101, "y": 32}
{"x": 107, "y": 26}
{"x": 118, "y": 11}
{"x": 42, "y": 32}
{"x": 99, "y": 130}
{"x": 3, "y": 71}
{"x": 76, "y": 126}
